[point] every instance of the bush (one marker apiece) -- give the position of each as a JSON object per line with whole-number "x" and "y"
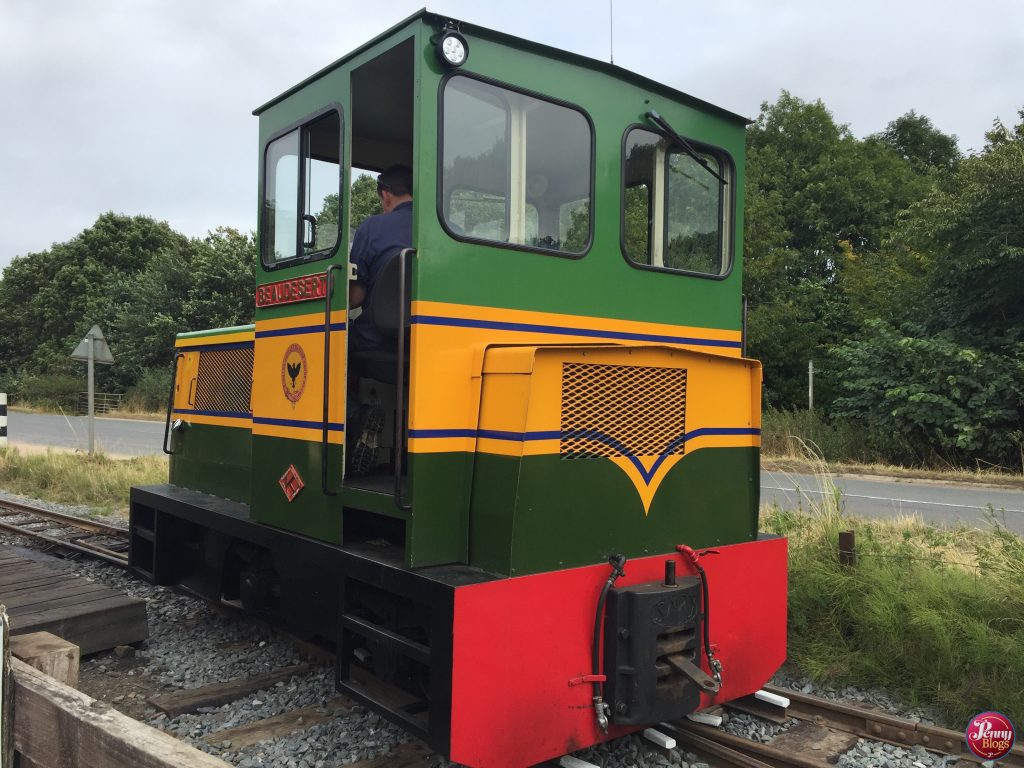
{"x": 947, "y": 402}
{"x": 50, "y": 391}
{"x": 150, "y": 391}
{"x": 788, "y": 434}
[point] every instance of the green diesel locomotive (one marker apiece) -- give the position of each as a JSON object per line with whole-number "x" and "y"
{"x": 551, "y": 537}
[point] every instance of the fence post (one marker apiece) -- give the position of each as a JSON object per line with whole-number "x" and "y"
{"x": 847, "y": 548}
{"x": 3, "y": 419}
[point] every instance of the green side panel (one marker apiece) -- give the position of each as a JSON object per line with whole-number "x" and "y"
{"x": 572, "y": 513}
{"x": 212, "y": 459}
{"x": 437, "y": 533}
{"x": 492, "y": 512}
{"x": 312, "y": 513}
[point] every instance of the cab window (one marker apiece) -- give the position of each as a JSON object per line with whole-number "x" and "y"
{"x": 301, "y": 201}
{"x": 675, "y": 212}
{"x": 516, "y": 169}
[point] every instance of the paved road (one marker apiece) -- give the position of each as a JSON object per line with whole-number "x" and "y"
{"x": 943, "y": 503}
{"x": 936, "y": 502}
{"x": 117, "y": 437}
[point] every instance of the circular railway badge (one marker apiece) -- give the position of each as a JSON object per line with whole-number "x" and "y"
{"x": 293, "y": 373}
{"x": 990, "y": 735}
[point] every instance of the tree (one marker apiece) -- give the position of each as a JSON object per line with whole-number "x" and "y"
{"x": 817, "y": 201}
{"x": 974, "y": 230}
{"x": 51, "y": 298}
{"x": 364, "y": 200}
{"x": 209, "y": 284}
{"x": 917, "y": 141}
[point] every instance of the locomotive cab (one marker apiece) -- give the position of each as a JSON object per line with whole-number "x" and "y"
{"x": 557, "y": 531}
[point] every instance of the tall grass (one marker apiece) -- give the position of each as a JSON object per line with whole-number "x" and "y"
{"x": 784, "y": 435}
{"x": 97, "y": 481}
{"x": 936, "y": 615}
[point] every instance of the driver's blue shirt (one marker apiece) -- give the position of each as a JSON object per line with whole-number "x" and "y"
{"x": 376, "y": 240}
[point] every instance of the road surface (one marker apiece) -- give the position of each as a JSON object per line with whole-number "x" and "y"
{"x": 941, "y": 503}
{"x": 115, "y": 437}
{"x": 936, "y": 502}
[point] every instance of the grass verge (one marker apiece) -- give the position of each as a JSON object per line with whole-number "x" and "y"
{"x": 96, "y": 481}
{"x": 935, "y": 615}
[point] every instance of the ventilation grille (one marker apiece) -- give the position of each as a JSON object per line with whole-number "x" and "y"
{"x": 224, "y": 382}
{"x": 621, "y": 410}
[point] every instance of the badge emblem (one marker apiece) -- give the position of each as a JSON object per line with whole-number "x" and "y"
{"x": 291, "y": 483}
{"x": 293, "y": 373}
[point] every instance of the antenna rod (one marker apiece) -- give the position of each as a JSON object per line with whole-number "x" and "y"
{"x": 611, "y": 31}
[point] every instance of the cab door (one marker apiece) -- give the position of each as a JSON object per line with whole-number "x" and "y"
{"x": 299, "y": 368}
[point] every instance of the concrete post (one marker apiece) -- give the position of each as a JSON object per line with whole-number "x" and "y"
{"x": 3, "y": 419}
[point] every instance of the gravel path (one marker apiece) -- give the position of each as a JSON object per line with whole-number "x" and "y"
{"x": 191, "y": 644}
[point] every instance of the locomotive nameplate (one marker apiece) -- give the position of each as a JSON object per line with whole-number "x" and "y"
{"x": 307, "y": 288}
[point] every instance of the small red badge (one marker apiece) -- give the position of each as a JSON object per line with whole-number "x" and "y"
{"x": 291, "y": 483}
{"x": 990, "y": 735}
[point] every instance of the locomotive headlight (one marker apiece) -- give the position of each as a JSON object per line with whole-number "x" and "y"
{"x": 452, "y": 48}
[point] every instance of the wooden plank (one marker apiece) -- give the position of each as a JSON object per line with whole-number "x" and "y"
{"x": 59, "y": 727}
{"x": 51, "y": 655}
{"x": 25, "y": 602}
{"x": 106, "y": 625}
{"x": 35, "y": 574}
{"x": 191, "y": 699}
{"x": 48, "y": 598}
{"x": 280, "y": 725}
{"x": 6, "y": 694}
{"x": 79, "y": 596}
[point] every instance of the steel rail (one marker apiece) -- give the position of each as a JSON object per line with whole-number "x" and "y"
{"x": 881, "y": 726}
{"x": 77, "y": 542}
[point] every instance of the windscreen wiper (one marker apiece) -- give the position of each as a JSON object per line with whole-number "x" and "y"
{"x": 662, "y": 123}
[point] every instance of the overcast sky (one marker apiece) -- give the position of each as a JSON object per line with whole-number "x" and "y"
{"x": 144, "y": 106}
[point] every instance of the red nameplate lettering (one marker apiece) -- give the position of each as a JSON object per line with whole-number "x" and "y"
{"x": 308, "y": 288}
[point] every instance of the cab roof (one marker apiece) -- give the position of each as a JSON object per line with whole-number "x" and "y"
{"x": 439, "y": 20}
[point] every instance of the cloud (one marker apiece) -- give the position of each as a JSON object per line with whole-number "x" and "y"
{"x": 143, "y": 106}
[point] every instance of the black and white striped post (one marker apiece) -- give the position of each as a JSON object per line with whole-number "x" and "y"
{"x": 3, "y": 419}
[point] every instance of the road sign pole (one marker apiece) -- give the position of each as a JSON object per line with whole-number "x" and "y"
{"x": 810, "y": 385}
{"x": 92, "y": 413}
{"x": 93, "y": 349}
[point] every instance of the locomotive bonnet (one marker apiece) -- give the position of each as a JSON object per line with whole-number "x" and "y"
{"x": 525, "y": 513}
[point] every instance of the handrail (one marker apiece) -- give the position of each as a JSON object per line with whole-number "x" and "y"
{"x": 400, "y": 382}
{"x": 328, "y": 293}
{"x": 170, "y": 403}
{"x": 743, "y": 329}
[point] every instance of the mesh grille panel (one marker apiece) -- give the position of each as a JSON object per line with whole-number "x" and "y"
{"x": 224, "y": 382}
{"x": 619, "y": 410}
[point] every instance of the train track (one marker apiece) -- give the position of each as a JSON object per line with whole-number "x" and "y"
{"x": 826, "y": 729}
{"x": 74, "y": 534}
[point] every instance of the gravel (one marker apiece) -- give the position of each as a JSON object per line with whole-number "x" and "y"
{"x": 891, "y": 704}
{"x": 191, "y": 644}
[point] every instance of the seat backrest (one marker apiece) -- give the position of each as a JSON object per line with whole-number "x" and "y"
{"x": 383, "y": 309}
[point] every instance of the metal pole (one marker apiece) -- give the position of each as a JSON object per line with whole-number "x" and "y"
{"x": 92, "y": 413}
{"x": 810, "y": 385}
{"x": 3, "y": 419}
